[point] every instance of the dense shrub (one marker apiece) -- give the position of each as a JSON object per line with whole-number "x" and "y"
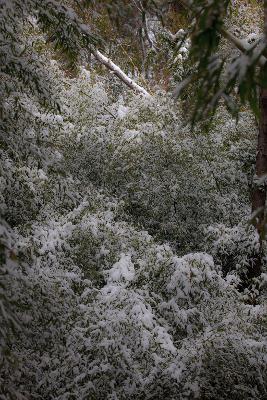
{"x": 123, "y": 241}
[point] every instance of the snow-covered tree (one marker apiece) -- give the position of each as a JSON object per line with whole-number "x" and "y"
{"x": 124, "y": 242}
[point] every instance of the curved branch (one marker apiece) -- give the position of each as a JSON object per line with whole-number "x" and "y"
{"x": 238, "y": 43}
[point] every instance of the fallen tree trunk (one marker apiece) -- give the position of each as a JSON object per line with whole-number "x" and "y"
{"x": 119, "y": 73}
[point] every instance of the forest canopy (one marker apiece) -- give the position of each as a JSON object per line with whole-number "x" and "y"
{"x": 133, "y": 142}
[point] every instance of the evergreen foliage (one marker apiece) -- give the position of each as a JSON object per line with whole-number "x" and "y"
{"x": 124, "y": 235}
{"x": 229, "y": 78}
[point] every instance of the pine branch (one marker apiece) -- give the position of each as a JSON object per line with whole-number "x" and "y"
{"x": 239, "y": 44}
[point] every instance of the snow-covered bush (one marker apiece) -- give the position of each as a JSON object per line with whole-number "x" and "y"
{"x": 109, "y": 313}
{"x": 94, "y": 302}
{"x": 172, "y": 181}
{"x": 234, "y": 248}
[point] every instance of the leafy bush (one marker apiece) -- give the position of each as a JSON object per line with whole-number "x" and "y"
{"x": 106, "y": 207}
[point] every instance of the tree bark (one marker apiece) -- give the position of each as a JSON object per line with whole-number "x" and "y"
{"x": 259, "y": 192}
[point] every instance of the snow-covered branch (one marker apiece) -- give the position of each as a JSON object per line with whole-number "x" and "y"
{"x": 119, "y": 73}
{"x": 238, "y": 43}
{"x": 175, "y": 36}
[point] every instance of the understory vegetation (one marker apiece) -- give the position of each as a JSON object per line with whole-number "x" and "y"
{"x": 126, "y": 234}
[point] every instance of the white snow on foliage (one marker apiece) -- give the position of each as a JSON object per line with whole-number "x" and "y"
{"x": 123, "y": 270}
{"x": 124, "y": 237}
{"x": 122, "y": 111}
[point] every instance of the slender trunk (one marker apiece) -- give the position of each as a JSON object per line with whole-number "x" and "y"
{"x": 259, "y": 193}
{"x": 119, "y": 73}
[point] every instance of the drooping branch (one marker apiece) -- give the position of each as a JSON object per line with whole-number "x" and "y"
{"x": 238, "y": 43}
{"x": 119, "y": 73}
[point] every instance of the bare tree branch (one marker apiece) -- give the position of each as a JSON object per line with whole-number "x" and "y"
{"x": 119, "y": 73}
